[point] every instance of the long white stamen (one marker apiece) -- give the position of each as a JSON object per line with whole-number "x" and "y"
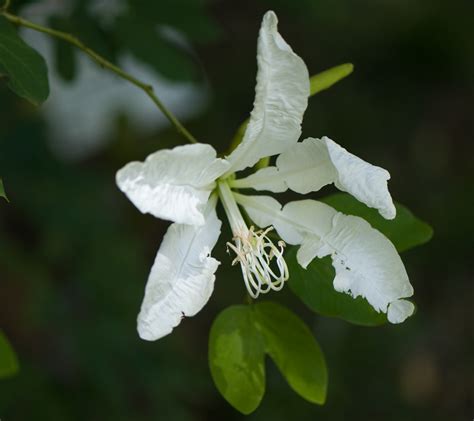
{"x": 261, "y": 261}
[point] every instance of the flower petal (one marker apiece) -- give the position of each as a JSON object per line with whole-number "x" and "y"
{"x": 268, "y": 178}
{"x": 182, "y": 277}
{"x": 281, "y": 98}
{"x": 366, "y": 262}
{"x": 314, "y": 163}
{"x": 293, "y": 221}
{"x": 173, "y": 184}
{"x": 399, "y": 311}
{"x": 366, "y": 182}
{"x": 263, "y": 210}
{"x": 303, "y": 168}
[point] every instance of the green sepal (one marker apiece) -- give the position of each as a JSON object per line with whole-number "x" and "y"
{"x": 329, "y": 77}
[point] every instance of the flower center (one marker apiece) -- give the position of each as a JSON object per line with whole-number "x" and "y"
{"x": 261, "y": 261}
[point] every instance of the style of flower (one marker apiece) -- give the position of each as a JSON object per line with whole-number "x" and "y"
{"x": 184, "y": 184}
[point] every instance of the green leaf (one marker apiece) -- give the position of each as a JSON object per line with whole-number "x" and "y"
{"x": 405, "y": 231}
{"x": 24, "y": 69}
{"x": 83, "y": 24}
{"x": 242, "y": 335}
{"x": 8, "y": 360}
{"x": 64, "y": 53}
{"x": 314, "y": 286}
{"x": 236, "y": 358}
{"x": 166, "y": 57}
{"x": 2, "y": 191}
{"x": 326, "y": 79}
{"x": 65, "y": 60}
{"x": 292, "y": 347}
{"x": 196, "y": 24}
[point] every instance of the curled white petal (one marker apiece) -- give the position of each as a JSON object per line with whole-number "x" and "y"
{"x": 310, "y": 165}
{"x": 281, "y": 97}
{"x": 181, "y": 279}
{"x": 362, "y": 180}
{"x": 173, "y": 184}
{"x": 366, "y": 262}
{"x": 399, "y": 311}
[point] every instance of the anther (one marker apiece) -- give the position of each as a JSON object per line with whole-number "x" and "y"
{"x": 258, "y": 256}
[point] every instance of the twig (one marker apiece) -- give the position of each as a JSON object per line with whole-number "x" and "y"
{"x": 101, "y": 61}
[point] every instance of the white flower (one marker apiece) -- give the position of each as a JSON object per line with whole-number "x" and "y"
{"x": 184, "y": 184}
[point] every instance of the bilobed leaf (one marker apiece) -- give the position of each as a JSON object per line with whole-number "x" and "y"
{"x": 242, "y": 335}
{"x": 24, "y": 69}
{"x": 236, "y": 358}
{"x": 405, "y": 231}
{"x": 314, "y": 286}
{"x": 292, "y": 347}
{"x": 327, "y": 78}
{"x": 2, "y": 191}
{"x": 8, "y": 360}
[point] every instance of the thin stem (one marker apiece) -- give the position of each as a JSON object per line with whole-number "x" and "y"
{"x": 101, "y": 61}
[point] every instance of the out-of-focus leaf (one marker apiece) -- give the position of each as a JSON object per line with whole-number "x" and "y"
{"x": 8, "y": 360}
{"x": 64, "y": 53}
{"x": 314, "y": 286}
{"x": 91, "y": 32}
{"x": 327, "y": 78}
{"x": 24, "y": 69}
{"x": 147, "y": 44}
{"x": 2, "y": 190}
{"x": 405, "y": 231}
{"x": 236, "y": 358}
{"x": 187, "y": 16}
{"x": 294, "y": 350}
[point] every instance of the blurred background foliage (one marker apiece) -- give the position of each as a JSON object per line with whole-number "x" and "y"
{"x": 75, "y": 254}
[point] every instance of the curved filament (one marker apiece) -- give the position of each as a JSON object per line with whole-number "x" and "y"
{"x": 261, "y": 261}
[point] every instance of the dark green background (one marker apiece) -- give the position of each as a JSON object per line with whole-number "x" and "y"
{"x": 75, "y": 254}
